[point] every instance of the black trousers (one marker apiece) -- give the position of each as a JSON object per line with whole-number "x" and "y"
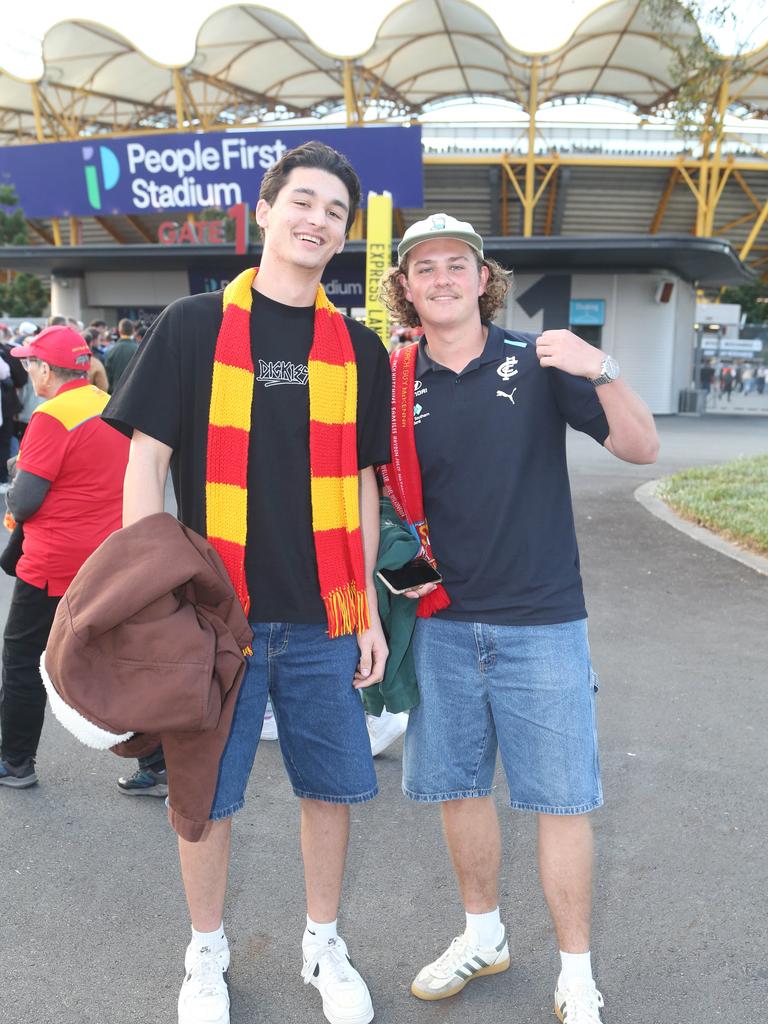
{"x": 22, "y": 697}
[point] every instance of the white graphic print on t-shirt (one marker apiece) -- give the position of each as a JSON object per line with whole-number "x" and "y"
{"x": 280, "y": 371}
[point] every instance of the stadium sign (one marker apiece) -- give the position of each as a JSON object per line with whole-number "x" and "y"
{"x": 184, "y": 171}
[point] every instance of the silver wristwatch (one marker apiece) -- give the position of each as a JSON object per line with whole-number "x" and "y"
{"x": 608, "y": 371}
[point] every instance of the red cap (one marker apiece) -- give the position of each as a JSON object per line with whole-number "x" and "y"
{"x": 58, "y": 346}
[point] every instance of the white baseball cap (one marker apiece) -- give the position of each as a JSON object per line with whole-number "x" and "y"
{"x": 439, "y": 225}
{"x": 26, "y": 327}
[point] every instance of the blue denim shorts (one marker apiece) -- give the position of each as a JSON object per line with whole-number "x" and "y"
{"x": 528, "y": 691}
{"x": 320, "y": 717}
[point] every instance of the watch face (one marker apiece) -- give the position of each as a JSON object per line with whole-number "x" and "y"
{"x": 610, "y": 368}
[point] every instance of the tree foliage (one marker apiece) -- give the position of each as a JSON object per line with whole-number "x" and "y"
{"x": 25, "y": 295}
{"x": 696, "y": 68}
{"x": 13, "y": 226}
{"x": 753, "y": 299}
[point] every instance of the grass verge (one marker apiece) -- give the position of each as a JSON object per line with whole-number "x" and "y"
{"x": 731, "y": 499}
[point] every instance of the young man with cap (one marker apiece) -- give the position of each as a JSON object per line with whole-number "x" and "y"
{"x": 67, "y": 491}
{"x": 501, "y": 647}
{"x": 271, "y": 409}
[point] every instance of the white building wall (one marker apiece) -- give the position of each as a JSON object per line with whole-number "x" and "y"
{"x": 685, "y": 338}
{"x": 134, "y": 287}
{"x": 652, "y": 341}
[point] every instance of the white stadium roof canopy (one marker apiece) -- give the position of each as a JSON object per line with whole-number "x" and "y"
{"x": 252, "y": 63}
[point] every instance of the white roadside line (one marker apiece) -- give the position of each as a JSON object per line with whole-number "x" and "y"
{"x": 646, "y": 495}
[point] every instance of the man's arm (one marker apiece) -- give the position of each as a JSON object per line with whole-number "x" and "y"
{"x": 26, "y": 494}
{"x": 373, "y": 646}
{"x": 632, "y": 432}
{"x": 144, "y": 486}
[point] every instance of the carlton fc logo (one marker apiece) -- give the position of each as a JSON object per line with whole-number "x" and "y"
{"x": 507, "y": 369}
{"x": 102, "y": 172}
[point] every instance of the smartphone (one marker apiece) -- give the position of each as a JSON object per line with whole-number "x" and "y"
{"x": 410, "y": 576}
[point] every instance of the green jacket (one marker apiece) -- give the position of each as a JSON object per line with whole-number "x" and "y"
{"x": 398, "y": 691}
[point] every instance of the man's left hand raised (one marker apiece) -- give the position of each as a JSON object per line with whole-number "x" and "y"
{"x": 568, "y": 352}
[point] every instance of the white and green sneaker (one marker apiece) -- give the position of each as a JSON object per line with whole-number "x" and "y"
{"x": 578, "y": 1002}
{"x": 464, "y": 960}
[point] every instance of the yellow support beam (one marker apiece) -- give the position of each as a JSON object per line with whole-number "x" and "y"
{"x": 74, "y": 231}
{"x": 178, "y": 89}
{"x": 747, "y": 190}
{"x": 566, "y": 160}
{"x": 350, "y": 96}
{"x": 37, "y": 111}
{"x": 56, "y": 225}
{"x": 715, "y": 190}
{"x": 529, "y": 202}
{"x": 661, "y": 209}
{"x": 515, "y": 182}
{"x": 725, "y": 228}
{"x": 756, "y": 228}
{"x": 551, "y": 203}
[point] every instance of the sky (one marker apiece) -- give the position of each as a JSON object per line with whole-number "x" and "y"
{"x": 157, "y": 29}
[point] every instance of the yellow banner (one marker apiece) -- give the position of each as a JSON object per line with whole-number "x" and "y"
{"x": 378, "y": 259}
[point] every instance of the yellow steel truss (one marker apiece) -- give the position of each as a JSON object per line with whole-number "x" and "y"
{"x": 194, "y": 101}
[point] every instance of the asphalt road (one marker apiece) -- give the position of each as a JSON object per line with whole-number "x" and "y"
{"x": 92, "y": 918}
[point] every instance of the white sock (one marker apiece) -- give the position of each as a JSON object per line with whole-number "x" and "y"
{"x": 575, "y": 967}
{"x": 487, "y": 927}
{"x": 319, "y": 932}
{"x": 212, "y": 940}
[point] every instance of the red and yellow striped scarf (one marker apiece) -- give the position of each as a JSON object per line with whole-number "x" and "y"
{"x": 332, "y": 455}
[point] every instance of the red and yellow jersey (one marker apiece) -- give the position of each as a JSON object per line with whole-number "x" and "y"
{"x": 69, "y": 444}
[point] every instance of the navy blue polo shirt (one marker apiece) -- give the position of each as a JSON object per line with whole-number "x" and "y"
{"x": 491, "y": 443}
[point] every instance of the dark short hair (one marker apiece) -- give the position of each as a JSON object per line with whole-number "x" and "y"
{"x": 57, "y": 321}
{"x": 320, "y": 156}
{"x": 125, "y": 327}
{"x": 140, "y": 331}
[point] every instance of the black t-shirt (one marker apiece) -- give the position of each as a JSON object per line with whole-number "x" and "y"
{"x": 491, "y": 443}
{"x": 166, "y": 393}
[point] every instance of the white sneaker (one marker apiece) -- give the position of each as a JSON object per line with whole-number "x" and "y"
{"x": 464, "y": 960}
{"x": 269, "y": 725}
{"x": 204, "y": 996}
{"x": 384, "y": 730}
{"x": 346, "y": 999}
{"x": 578, "y": 1002}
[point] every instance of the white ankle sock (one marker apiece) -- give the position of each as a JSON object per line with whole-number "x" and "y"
{"x": 213, "y": 940}
{"x": 575, "y": 967}
{"x": 487, "y": 927}
{"x": 320, "y": 932}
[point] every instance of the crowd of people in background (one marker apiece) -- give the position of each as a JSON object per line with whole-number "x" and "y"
{"x": 722, "y": 380}
{"x": 111, "y": 350}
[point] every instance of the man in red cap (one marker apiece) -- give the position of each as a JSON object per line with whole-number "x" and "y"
{"x": 68, "y": 493}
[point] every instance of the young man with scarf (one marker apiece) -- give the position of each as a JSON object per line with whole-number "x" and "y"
{"x": 271, "y": 409}
{"x": 479, "y": 472}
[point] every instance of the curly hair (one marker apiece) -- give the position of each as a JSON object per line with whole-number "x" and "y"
{"x": 392, "y": 293}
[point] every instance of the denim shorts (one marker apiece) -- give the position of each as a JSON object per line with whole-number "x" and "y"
{"x": 528, "y": 691}
{"x": 319, "y": 715}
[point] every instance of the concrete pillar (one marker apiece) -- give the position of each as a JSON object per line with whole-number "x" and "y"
{"x": 67, "y": 296}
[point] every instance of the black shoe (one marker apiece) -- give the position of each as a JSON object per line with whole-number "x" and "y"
{"x": 144, "y": 782}
{"x": 20, "y": 777}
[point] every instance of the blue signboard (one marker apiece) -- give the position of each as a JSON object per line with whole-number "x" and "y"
{"x": 587, "y": 312}
{"x": 344, "y": 287}
{"x": 170, "y": 173}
